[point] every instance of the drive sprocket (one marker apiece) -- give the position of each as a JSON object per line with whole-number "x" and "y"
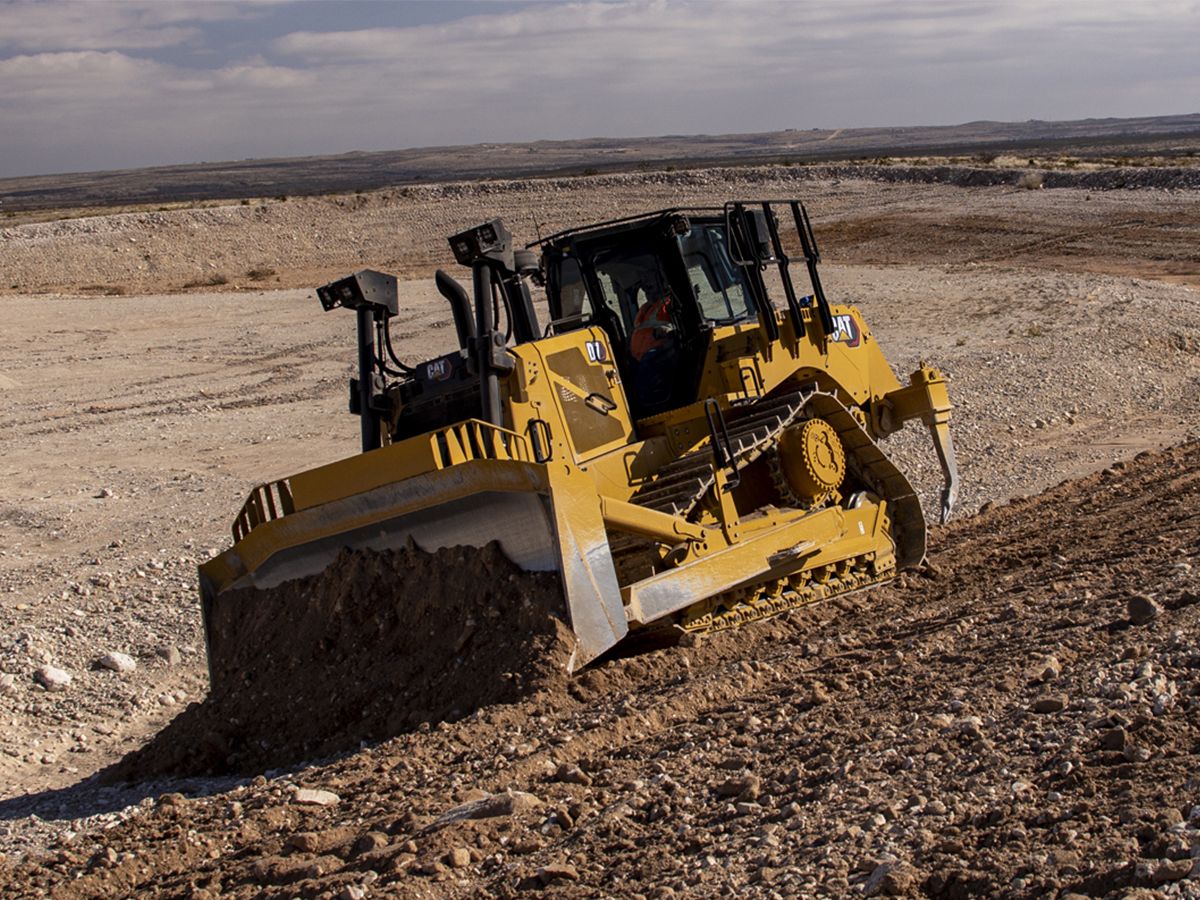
{"x": 809, "y": 464}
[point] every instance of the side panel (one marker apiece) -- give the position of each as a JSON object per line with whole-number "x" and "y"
{"x": 571, "y": 382}
{"x": 851, "y": 359}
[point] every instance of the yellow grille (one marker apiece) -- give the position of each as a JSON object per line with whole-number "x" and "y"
{"x": 464, "y": 442}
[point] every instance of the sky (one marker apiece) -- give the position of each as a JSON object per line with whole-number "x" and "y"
{"x": 107, "y": 84}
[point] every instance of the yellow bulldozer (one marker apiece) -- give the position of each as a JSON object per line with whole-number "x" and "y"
{"x": 690, "y": 441}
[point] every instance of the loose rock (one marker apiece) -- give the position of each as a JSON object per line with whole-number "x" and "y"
{"x": 747, "y": 787}
{"x": 1167, "y": 870}
{"x": 1048, "y": 669}
{"x": 372, "y": 840}
{"x": 311, "y": 797}
{"x": 1134, "y": 753}
{"x": 1114, "y": 739}
{"x": 818, "y": 695}
{"x": 1050, "y": 704}
{"x": 52, "y": 678}
{"x": 570, "y": 774}
{"x": 889, "y": 879}
{"x": 509, "y": 803}
{"x": 1142, "y": 609}
{"x": 117, "y": 662}
{"x": 170, "y": 655}
{"x": 557, "y": 872}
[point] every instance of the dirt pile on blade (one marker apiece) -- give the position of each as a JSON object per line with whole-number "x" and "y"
{"x": 376, "y": 645}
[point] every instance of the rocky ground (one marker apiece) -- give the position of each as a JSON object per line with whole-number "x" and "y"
{"x": 1153, "y": 150}
{"x": 1020, "y": 718}
{"x": 135, "y": 424}
{"x": 1136, "y": 221}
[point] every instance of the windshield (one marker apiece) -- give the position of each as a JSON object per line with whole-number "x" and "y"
{"x": 720, "y": 287}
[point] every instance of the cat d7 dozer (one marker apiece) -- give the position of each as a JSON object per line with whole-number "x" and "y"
{"x": 690, "y": 441}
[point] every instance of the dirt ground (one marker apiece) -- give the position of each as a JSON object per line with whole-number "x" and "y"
{"x": 1103, "y": 226}
{"x": 995, "y": 725}
{"x": 1152, "y": 142}
{"x": 137, "y": 416}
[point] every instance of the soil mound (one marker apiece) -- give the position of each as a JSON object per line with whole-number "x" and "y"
{"x": 1019, "y": 719}
{"x": 376, "y": 645}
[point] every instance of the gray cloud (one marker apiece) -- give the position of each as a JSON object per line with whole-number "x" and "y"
{"x": 95, "y": 25}
{"x": 103, "y": 85}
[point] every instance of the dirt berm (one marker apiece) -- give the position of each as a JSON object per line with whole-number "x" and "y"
{"x": 375, "y": 645}
{"x": 1021, "y": 719}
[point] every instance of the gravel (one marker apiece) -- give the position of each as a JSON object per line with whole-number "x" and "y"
{"x": 167, "y": 410}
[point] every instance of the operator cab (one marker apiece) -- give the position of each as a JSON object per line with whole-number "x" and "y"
{"x": 656, "y": 285}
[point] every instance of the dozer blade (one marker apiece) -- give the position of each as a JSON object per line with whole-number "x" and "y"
{"x": 543, "y": 520}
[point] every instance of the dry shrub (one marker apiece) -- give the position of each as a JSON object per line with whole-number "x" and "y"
{"x": 260, "y": 274}
{"x": 1030, "y": 181}
{"x": 214, "y": 280}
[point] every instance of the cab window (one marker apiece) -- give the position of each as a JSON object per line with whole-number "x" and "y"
{"x": 572, "y": 294}
{"x": 720, "y": 287}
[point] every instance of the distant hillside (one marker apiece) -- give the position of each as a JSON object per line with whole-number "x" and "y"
{"x": 367, "y": 171}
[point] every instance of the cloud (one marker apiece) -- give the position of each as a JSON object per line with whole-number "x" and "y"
{"x": 264, "y": 76}
{"x": 594, "y": 46}
{"x": 673, "y": 65}
{"x": 37, "y": 80}
{"x": 32, "y": 25}
{"x": 103, "y": 84}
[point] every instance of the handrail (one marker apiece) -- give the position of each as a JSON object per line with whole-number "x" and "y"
{"x": 722, "y": 450}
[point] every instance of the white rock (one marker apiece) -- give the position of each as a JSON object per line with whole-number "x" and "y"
{"x": 171, "y": 655}
{"x": 8, "y": 684}
{"x": 507, "y": 803}
{"x": 312, "y": 797}
{"x": 52, "y": 678}
{"x": 118, "y": 662}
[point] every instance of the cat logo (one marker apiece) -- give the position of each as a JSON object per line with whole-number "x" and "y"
{"x": 845, "y": 330}
{"x": 596, "y": 351}
{"x": 438, "y": 370}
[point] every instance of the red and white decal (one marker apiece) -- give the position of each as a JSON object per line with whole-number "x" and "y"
{"x": 439, "y": 370}
{"x": 845, "y": 330}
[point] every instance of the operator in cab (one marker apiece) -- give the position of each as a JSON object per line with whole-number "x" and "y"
{"x": 652, "y": 347}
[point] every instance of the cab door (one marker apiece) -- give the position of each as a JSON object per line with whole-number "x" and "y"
{"x": 631, "y": 283}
